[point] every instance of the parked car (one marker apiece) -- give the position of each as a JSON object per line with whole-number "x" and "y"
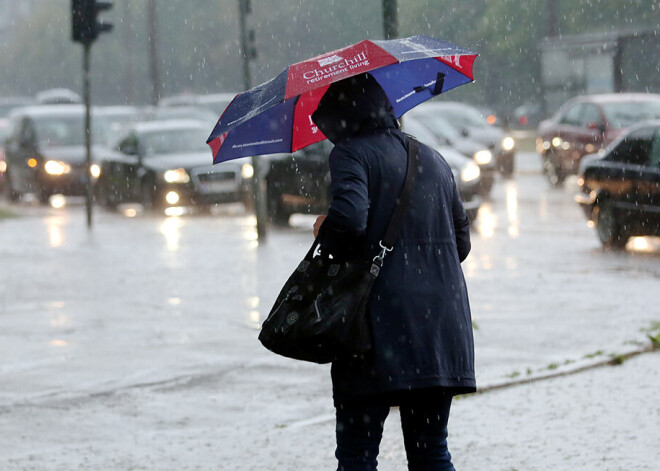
{"x": 586, "y": 124}
{"x": 471, "y": 123}
{"x": 447, "y": 135}
{"x": 45, "y": 151}
{"x": 299, "y": 182}
{"x": 167, "y": 163}
{"x": 620, "y": 188}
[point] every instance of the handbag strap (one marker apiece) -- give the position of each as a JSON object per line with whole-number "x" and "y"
{"x": 396, "y": 220}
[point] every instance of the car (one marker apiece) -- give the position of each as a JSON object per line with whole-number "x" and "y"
{"x": 471, "y": 123}
{"x": 586, "y": 124}
{"x": 620, "y": 187}
{"x": 45, "y": 152}
{"x": 300, "y": 182}
{"x": 447, "y": 135}
{"x": 163, "y": 164}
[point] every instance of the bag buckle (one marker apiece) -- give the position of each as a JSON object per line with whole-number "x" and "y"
{"x": 383, "y": 251}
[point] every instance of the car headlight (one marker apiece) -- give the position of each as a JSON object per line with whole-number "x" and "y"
{"x": 53, "y": 167}
{"x": 3, "y": 166}
{"x": 247, "y": 171}
{"x": 508, "y": 143}
{"x": 178, "y": 175}
{"x": 483, "y": 157}
{"x": 95, "y": 170}
{"x": 470, "y": 172}
{"x": 172, "y": 197}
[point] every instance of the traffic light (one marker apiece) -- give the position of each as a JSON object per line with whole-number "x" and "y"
{"x": 85, "y": 25}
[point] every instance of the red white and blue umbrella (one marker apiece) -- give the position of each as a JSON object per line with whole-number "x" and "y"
{"x": 275, "y": 117}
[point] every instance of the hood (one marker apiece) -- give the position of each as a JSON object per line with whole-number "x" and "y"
{"x": 353, "y": 106}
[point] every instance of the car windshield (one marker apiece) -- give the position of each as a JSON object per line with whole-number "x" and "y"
{"x": 442, "y": 128}
{"x": 173, "y": 141}
{"x": 624, "y": 114}
{"x": 54, "y": 131}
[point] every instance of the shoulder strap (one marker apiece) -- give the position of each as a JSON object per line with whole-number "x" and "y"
{"x": 396, "y": 221}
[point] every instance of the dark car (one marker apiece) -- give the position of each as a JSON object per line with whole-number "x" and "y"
{"x": 45, "y": 151}
{"x": 471, "y": 123}
{"x": 299, "y": 182}
{"x": 586, "y": 124}
{"x": 448, "y": 135}
{"x": 162, "y": 164}
{"x": 620, "y": 189}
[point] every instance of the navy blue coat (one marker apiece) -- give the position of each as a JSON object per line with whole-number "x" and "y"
{"x": 418, "y": 309}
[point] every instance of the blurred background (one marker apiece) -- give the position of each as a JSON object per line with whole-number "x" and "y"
{"x": 198, "y": 47}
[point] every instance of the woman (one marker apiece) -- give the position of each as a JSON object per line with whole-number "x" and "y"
{"x": 422, "y": 352}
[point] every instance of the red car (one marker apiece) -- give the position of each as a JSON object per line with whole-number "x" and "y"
{"x": 585, "y": 125}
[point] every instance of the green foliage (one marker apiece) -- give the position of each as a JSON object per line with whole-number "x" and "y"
{"x": 199, "y": 46}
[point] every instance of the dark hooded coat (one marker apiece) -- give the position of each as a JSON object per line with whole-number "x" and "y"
{"x": 418, "y": 309}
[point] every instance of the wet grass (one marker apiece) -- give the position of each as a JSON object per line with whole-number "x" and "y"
{"x": 5, "y": 213}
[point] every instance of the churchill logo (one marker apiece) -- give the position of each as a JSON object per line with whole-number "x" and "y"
{"x": 335, "y": 65}
{"x": 330, "y": 60}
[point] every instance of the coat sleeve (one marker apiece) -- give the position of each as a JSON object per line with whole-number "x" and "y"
{"x": 343, "y": 231}
{"x": 461, "y": 226}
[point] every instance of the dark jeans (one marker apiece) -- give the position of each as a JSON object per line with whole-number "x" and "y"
{"x": 423, "y": 420}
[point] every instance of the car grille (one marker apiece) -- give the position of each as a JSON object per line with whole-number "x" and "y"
{"x": 216, "y": 177}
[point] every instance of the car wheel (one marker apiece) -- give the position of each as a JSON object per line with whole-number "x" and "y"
{"x": 105, "y": 197}
{"x": 553, "y": 173}
{"x": 609, "y": 229}
{"x": 506, "y": 167}
{"x": 10, "y": 193}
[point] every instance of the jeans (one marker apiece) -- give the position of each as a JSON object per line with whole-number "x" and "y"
{"x": 423, "y": 421}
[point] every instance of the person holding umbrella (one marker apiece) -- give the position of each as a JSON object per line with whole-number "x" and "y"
{"x": 422, "y": 353}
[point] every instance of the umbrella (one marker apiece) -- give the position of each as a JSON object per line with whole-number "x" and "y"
{"x": 275, "y": 117}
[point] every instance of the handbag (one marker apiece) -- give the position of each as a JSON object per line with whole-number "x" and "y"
{"x": 320, "y": 314}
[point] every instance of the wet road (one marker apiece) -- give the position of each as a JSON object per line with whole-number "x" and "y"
{"x": 147, "y": 303}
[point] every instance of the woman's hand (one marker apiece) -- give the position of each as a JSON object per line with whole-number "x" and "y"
{"x": 317, "y": 225}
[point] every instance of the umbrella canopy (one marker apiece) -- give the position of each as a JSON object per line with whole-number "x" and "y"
{"x": 275, "y": 117}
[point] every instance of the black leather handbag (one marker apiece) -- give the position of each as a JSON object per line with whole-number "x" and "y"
{"x": 320, "y": 313}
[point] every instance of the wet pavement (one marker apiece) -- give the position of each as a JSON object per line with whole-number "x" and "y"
{"x": 133, "y": 346}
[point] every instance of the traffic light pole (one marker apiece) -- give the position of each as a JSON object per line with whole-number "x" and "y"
{"x": 259, "y": 185}
{"x": 89, "y": 193}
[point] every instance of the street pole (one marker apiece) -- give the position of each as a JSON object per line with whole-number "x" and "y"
{"x": 390, "y": 19}
{"x": 89, "y": 193}
{"x": 258, "y": 183}
{"x": 154, "y": 68}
